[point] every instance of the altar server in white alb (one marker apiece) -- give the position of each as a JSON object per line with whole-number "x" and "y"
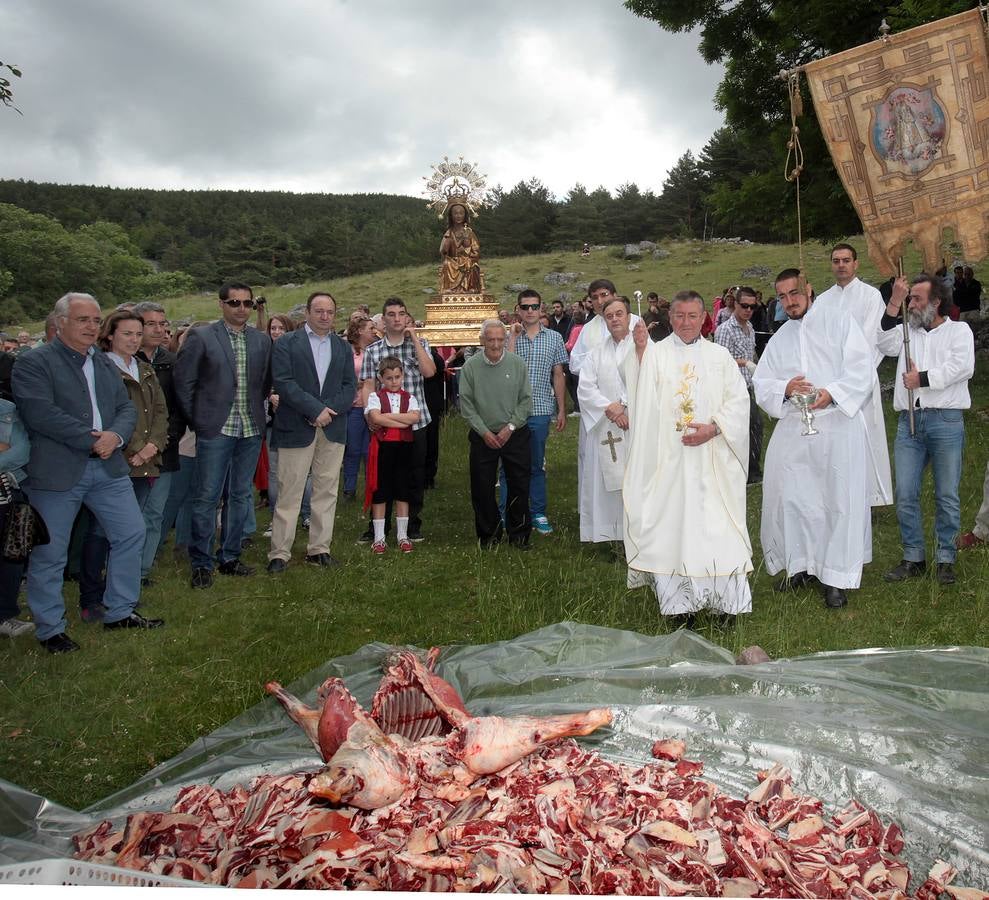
{"x": 816, "y": 519}
{"x": 684, "y": 489}
{"x": 604, "y": 429}
{"x": 942, "y": 356}
{"x": 865, "y": 305}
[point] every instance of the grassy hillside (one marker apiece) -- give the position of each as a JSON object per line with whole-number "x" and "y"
{"x": 705, "y": 267}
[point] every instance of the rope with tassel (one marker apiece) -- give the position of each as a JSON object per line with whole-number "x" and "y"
{"x": 794, "y": 152}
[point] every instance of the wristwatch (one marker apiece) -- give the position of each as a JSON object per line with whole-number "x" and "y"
{"x": 510, "y": 426}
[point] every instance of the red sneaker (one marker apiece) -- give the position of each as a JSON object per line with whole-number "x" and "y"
{"x": 969, "y": 540}
{"x": 379, "y": 547}
{"x": 405, "y": 546}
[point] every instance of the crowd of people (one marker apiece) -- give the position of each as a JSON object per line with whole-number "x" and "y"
{"x": 119, "y": 430}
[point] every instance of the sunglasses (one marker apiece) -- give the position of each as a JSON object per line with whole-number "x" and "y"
{"x": 236, "y": 304}
{"x": 528, "y": 306}
{"x": 746, "y": 305}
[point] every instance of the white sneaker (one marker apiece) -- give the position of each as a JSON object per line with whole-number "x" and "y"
{"x": 541, "y": 524}
{"x": 573, "y": 415}
{"x": 15, "y": 627}
{"x": 305, "y": 522}
{"x": 267, "y": 532}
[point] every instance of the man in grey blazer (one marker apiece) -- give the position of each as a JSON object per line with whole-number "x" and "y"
{"x": 222, "y": 377}
{"x": 313, "y": 374}
{"x": 78, "y": 415}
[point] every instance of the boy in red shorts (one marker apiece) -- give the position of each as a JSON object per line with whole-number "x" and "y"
{"x": 391, "y": 412}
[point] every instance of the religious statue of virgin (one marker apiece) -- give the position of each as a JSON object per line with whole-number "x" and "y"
{"x": 460, "y": 252}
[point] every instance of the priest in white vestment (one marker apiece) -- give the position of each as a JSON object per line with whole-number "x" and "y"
{"x": 816, "y": 519}
{"x": 601, "y": 292}
{"x": 604, "y": 429}
{"x": 684, "y": 489}
{"x": 865, "y": 305}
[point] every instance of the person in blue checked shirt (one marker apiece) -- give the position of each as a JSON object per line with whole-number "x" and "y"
{"x": 545, "y": 357}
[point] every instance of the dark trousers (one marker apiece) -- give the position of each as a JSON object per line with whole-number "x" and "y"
{"x": 571, "y": 382}
{"x": 515, "y": 456}
{"x": 755, "y": 439}
{"x": 417, "y": 485}
{"x": 431, "y": 461}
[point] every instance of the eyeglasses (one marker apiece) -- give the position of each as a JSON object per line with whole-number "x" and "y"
{"x": 745, "y": 305}
{"x": 236, "y": 304}
{"x": 529, "y": 306}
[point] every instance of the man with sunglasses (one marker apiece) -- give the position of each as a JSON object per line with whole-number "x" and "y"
{"x": 222, "y": 376}
{"x": 545, "y": 356}
{"x": 737, "y": 336}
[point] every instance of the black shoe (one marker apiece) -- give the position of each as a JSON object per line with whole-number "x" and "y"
{"x": 321, "y": 559}
{"x": 367, "y": 537}
{"x": 349, "y": 496}
{"x": 794, "y": 582}
{"x": 202, "y": 578}
{"x": 906, "y": 569}
{"x": 235, "y": 567}
{"x": 60, "y": 643}
{"x": 834, "y": 598}
{"x": 134, "y": 620}
{"x": 276, "y": 566}
{"x": 415, "y": 535}
{"x": 683, "y": 620}
{"x": 246, "y": 542}
{"x": 946, "y": 573}
{"x": 147, "y": 581}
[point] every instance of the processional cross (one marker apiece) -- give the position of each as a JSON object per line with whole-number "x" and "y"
{"x": 611, "y": 440}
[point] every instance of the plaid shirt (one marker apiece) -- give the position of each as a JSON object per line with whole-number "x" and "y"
{"x": 540, "y": 355}
{"x": 239, "y": 423}
{"x": 412, "y": 379}
{"x": 739, "y": 344}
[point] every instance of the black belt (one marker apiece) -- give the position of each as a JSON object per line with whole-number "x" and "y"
{"x": 94, "y": 455}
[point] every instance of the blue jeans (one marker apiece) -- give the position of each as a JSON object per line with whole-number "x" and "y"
{"x": 358, "y": 439}
{"x": 178, "y": 508}
{"x": 154, "y": 513}
{"x": 115, "y": 507}
{"x": 215, "y": 457}
{"x": 939, "y": 439}
{"x": 539, "y": 434}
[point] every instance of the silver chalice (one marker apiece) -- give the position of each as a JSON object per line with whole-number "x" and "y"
{"x": 804, "y": 403}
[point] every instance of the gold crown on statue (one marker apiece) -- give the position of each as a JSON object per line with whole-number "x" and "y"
{"x": 456, "y": 182}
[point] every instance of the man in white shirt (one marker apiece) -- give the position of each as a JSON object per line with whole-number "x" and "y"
{"x": 864, "y": 304}
{"x": 312, "y": 371}
{"x": 942, "y": 360}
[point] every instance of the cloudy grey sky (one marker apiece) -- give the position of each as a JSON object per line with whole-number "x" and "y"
{"x": 347, "y": 95}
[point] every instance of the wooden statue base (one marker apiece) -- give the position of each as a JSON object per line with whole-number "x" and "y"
{"x": 456, "y": 320}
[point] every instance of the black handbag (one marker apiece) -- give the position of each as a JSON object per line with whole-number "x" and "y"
{"x": 21, "y": 526}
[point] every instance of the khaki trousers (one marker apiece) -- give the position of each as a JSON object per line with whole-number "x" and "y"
{"x": 324, "y": 458}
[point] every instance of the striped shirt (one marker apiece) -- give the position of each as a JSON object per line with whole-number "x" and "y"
{"x": 541, "y": 354}
{"x": 239, "y": 423}
{"x": 740, "y": 344}
{"x": 412, "y": 380}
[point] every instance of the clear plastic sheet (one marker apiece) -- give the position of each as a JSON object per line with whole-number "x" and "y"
{"x": 904, "y": 731}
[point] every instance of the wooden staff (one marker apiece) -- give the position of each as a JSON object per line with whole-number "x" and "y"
{"x": 906, "y": 346}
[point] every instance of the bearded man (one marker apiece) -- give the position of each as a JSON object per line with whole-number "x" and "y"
{"x": 942, "y": 360}
{"x": 816, "y": 521}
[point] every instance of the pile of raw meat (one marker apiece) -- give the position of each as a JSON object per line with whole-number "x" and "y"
{"x": 420, "y": 795}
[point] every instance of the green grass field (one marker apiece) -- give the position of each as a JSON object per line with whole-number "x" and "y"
{"x": 75, "y": 728}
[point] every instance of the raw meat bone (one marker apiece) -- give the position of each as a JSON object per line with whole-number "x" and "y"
{"x": 368, "y": 769}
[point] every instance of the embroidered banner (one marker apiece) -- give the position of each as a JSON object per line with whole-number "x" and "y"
{"x": 907, "y": 122}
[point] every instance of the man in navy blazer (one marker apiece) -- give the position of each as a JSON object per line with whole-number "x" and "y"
{"x": 313, "y": 374}
{"x": 222, "y": 377}
{"x": 78, "y": 415}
